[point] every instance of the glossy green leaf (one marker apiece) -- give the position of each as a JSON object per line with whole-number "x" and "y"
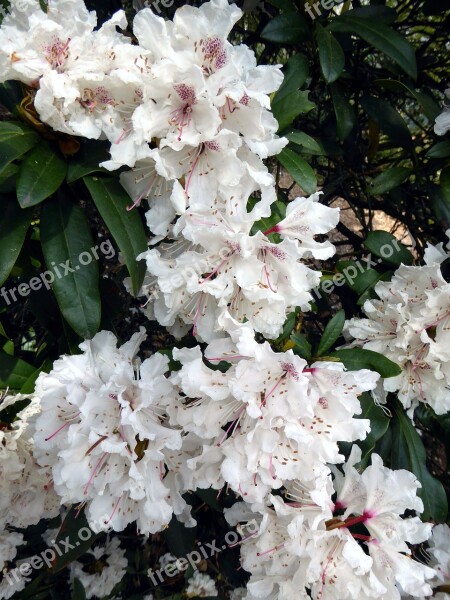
{"x": 40, "y": 175}
{"x": 345, "y": 114}
{"x": 287, "y": 28}
{"x": 440, "y": 203}
{"x": 358, "y": 358}
{"x": 331, "y": 55}
{"x": 379, "y": 423}
{"x": 125, "y": 226}
{"x": 430, "y": 107}
{"x": 14, "y": 372}
{"x": 302, "y": 347}
{"x": 301, "y": 172}
{"x": 8, "y": 177}
{"x": 388, "y": 248}
{"x": 14, "y": 225}
{"x": 331, "y": 333}
{"x": 295, "y": 75}
{"x": 15, "y": 140}
{"x": 439, "y": 150}
{"x": 408, "y": 452}
{"x": 308, "y": 144}
{"x": 388, "y": 120}
{"x": 291, "y": 106}
{"x": 380, "y": 36}
{"x": 87, "y": 160}
{"x": 389, "y": 180}
{"x": 66, "y": 242}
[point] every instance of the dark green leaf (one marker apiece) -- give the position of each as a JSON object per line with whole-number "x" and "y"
{"x": 388, "y": 248}
{"x": 357, "y": 358}
{"x": 15, "y": 140}
{"x": 125, "y": 226}
{"x": 76, "y": 532}
{"x": 287, "y": 28}
{"x": 87, "y": 160}
{"x": 308, "y": 144}
{"x": 78, "y": 590}
{"x": 14, "y": 225}
{"x": 302, "y": 346}
{"x": 379, "y": 423}
{"x": 440, "y": 203}
{"x": 388, "y": 120}
{"x": 345, "y": 115}
{"x": 180, "y": 539}
{"x": 439, "y": 150}
{"x": 301, "y": 172}
{"x": 287, "y": 109}
{"x": 389, "y": 180}
{"x": 408, "y": 452}
{"x": 14, "y": 372}
{"x": 382, "y": 37}
{"x": 382, "y": 14}
{"x": 332, "y": 332}
{"x": 66, "y": 238}
{"x": 8, "y": 178}
{"x": 430, "y": 107}
{"x": 295, "y": 75}
{"x": 41, "y": 174}
{"x": 331, "y": 55}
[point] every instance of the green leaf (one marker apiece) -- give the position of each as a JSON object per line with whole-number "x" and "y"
{"x": 379, "y": 423}
{"x": 388, "y": 120}
{"x": 302, "y": 346}
{"x": 381, "y": 37}
{"x": 125, "y": 226}
{"x": 74, "y": 532}
{"x": 331, "y": 333}
{"x": 180, "y": 539}
{"x": 408, "y": 452}
{"x": 430, "y": 107}
{"x": 439, "y": 150}
{"x": 287, "y": 109}
{"x": 287, "y": 28}
{"x": 389, "y": 180}
{"x": 440, "y": 203}
{"x": 308, "y": 144}
{"x": 301, "y": 172}
{"x": 15, "y": 140}
{"x": 66, "y": 237}
{"x": 345, "y": 115}
{"x": 14, "y": 225}
{"x": 8, "y": 177}
{"x": 295, "y": 75}
{"x": 14, "y": 372}
{"x": 388, "y": 248}
{"x": 41, "y": 174}
{"x": 357, "y": 358}
{"x": 87, "y": 160}
{"x": 331, "y": 55}
{"x": 78, "y": 592}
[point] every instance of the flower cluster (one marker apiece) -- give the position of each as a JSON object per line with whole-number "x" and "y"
{"x": 189, "y": 114}
{"x": 409, "y": 323}
{"x": 442, "y": 123}
{"x": 343, "y": 538}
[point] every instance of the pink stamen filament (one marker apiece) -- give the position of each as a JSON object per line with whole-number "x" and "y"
{"x": 274, "y": 549}
{"x": 96, "y": 468}
{"x": 274, "y": 229}
{"x": 114, "y": 511}
{"x": 61, "y": 428}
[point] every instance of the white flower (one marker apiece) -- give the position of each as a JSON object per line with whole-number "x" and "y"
{"x": 108, "y": 569}
{"x": 27, "y": 495}
{"x": 272, "y": 418}
{"x": 442, "y": 123}
{"x": 201, "y": 585}
{"x": 439, "y": 552}
{"x": 351, "y": 548}
{"x": 12, "y": 580}
{"x": 102, "y": 431}
{"x": 409, "y": 325}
